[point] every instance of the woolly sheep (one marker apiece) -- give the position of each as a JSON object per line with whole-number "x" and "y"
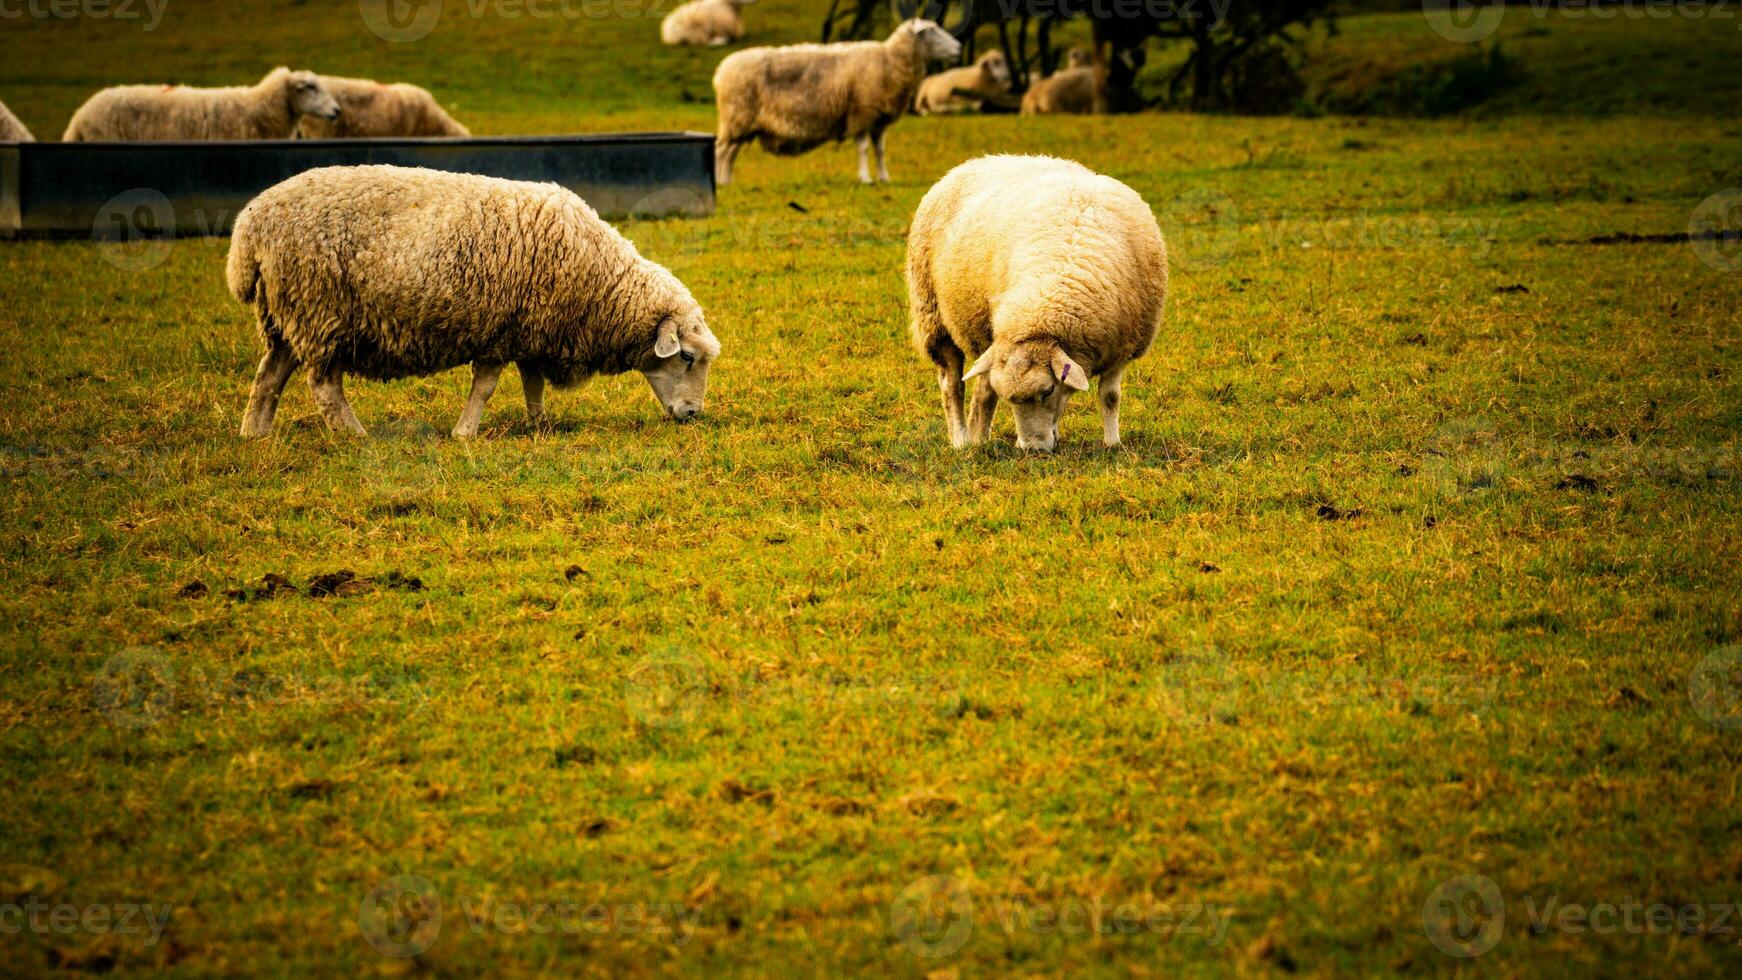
{"x": 369, "y": 108}
{"x": 1046, "y": 274}
{"x": 987, "y": 78}
{"x": 388, "y": 272}
{"x": 705, "y": 23}
{"x": 796, "y": 98}
{"x": 267, "y": 111}
{"x": 11, "y": 129}
{"x": 1070, "y": 90}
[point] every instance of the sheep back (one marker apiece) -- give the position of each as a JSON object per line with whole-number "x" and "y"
{"x": 371, "y": 109}
{"x": 11, "y": 129}
{"x": 175, "y": 112}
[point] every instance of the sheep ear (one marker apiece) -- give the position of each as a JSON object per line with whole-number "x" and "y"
{"x": 980, "y": 367}
{"x": 665, "y": 341}
{"x": 1069, "y": 373}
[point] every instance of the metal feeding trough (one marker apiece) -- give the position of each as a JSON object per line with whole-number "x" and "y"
{"x": 134, "y": 190}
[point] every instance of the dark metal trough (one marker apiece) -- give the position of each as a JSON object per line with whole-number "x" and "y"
{"x": 130, "y": 190}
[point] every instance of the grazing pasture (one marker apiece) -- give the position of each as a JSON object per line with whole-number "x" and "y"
{"x": 1419, "y": 561}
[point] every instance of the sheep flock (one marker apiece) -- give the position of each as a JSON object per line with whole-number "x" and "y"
{"x": 1031, "y": 277}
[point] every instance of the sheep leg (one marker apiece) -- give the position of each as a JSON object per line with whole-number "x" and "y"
{"x": 275, "y": 369}
{"x": 725, "y": 155}
{"x": 533, "y": 384}
{"x": 980, "y": 413}
{"x": 484, "y": 377}
{"x": 949, "y": 362}
{"x": 864, "y": 161}
{"x": 328, "y": 387}
{"x": 1107, "y": 393}
{"x": 880, "y": 140}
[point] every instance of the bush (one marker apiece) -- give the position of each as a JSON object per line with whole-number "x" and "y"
{"x": 1435, "y": 89}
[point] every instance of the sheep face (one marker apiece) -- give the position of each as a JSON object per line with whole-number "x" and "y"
{"x": 308, "y": 97}
{"x": 676, "y": 367}
{"x": 934, "y": 41}
{"x": 1035, "y": 377}
{"x": 994, "y": 65}
{"x": 1078, "y": 58}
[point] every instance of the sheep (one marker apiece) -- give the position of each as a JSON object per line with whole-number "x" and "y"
{"x": 1070, "y": 90}
{"x": 705, "y": 23}
{"x": 389, "y": 272}
{"x": 987, "y": 78}
{"x": 796, "y": 98}
{"x": 1046, "y": 274}
{"x": 369, "y": 108}
{"x": 11, "y": 129}
{"x": 267, "y": 111}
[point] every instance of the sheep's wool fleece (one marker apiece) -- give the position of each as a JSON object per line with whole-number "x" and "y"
{"x": 177, "y": 112}
{"x": 1029, "y": 247}
{"x": 373, "y": 109}
{"x": 393, "y": 271}
{"x": 11, "y": 130}
{"x": 702, "y": 22}
{"x": 798, "y": 97}
{"x": 1068, "y": 91}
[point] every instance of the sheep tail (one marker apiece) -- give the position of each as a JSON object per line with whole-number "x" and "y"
{"x": 243, "y": 268}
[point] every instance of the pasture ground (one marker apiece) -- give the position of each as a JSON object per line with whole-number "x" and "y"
{"x": 1419, "y": 561}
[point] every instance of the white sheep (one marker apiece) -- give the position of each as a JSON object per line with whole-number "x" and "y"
{"x": 1069, "y": 90}
{"x": 987, "y": 78}
{"x": 796, "y": 98}
{"x": 704, "y": 23}
{"x": 11, "y": 129}
{"x": 368, "y": 108}
{"x": 1045, "y": 273}
{"x": 269, "y": 110}
{"x": 389, "y": 272}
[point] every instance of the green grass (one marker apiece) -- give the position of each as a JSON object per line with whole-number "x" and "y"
{"x": 1401, "y": 574}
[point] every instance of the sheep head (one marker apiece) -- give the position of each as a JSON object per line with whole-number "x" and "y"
{"x": 1035, "y": 377}
{"x": 995, "y": 67}
{"x": 934, "y": 43}
{"x": 676, "y": 363}
{"x": 309, "y": 96}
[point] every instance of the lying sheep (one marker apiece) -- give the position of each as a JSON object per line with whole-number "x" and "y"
{"x": 11, "y": 130}
{"x": 387, "y": 272}
{"x": 267, "y": 111}
{"x": 1070, "y": 90}
{"x": 796, "y": 98}
{"x": 1046, "y": 273}
{"x": 369, "y": 108}
{"x": 987, "y": 78}
{"x": 704, "y": 23}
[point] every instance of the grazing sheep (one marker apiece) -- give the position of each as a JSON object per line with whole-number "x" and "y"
{"x": 1070, "y": 90}
{"x": 796, "y": 98}
{"x": 11, "y": 130}
{"x": 1046, "y": 273}
{"x": 267, "y": 111}
{"x": 388, "y": 272}
{"x": 372, "y": 109}
{"x": 987, "y": 78}
{"x": 704, "y": 23}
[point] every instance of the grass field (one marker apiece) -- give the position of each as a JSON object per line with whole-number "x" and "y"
{"x": 1419, "y": 562}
